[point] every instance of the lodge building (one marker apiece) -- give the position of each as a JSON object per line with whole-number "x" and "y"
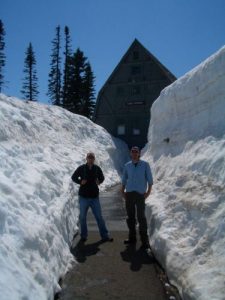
{"x": 124, "y": 102}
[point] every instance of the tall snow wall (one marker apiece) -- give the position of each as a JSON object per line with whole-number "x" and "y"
{"x": 189, "y": 109}
{"x": 186, "y": 210}
{"x": 40, "y": 147}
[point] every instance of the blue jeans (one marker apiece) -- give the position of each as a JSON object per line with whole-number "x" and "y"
{"x": 94, "y": 203}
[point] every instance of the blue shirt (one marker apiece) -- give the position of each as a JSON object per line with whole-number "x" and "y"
{"x": 135, "y": 178}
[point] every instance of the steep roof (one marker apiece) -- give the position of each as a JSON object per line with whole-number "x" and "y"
{"x": 133, "y": 45}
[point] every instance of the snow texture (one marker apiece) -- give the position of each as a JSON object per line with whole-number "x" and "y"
{"x": 40, "y": 147}
{"x": 186, "y": 210}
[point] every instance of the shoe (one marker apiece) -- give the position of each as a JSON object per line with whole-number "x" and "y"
{"x": 82, "y": 239}
{"x": 130, "y": 241}
{"x": 145, "y": 246}
{"x": 107, "y": 239}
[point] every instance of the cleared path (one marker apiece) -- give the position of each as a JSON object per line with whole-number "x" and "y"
{"x": 111, "y": 270}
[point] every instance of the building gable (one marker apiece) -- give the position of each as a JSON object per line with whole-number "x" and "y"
{"x": 124, "y": 102}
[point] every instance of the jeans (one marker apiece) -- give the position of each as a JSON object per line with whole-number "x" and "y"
{"x": 94, "y": 203}
{"x": 135, "y": 202}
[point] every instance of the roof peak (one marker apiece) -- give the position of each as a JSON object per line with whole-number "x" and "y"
{"x": 136, "y": 41}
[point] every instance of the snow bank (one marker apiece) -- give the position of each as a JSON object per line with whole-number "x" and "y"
{"x": 191, "y": 108}
{"x": 40, "y": 146}
{"x": 187, "y": 152}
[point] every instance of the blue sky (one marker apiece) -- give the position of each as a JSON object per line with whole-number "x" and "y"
{"x": 180, "y": 33}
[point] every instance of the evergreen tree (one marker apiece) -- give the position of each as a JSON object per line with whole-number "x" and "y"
{"x": 77, "y": 67}
{"x": 54, "y": 82}
{"x": 2, "y": 55}
{"x": 30, "y": 86}
{"x": 67, "y": 70}
{"x": 80, "y": 97}
{"x": 88, "y": 104}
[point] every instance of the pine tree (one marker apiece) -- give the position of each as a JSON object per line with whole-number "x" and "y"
{"x": 77, "y": 66}
{"x": 2, "y": 55}
{"x": 30, "y": 85}
{"x": 88, "y": 105}
{"x": 67, "y": 70}
{"x": 54, "y": 82}
{"x": 80, "y": 97}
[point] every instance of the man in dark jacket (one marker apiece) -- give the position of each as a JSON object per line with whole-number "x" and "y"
{"x": 89, "y": 176}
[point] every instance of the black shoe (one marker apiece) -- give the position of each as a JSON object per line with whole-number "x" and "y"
{"x": 130, "y": 241}
{"x": 82, "y": 239}
{"x": 107, "y": 239}
{"x": 145, "y": 246}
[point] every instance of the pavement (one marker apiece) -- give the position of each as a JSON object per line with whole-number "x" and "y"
{"x": 111, "y": 270}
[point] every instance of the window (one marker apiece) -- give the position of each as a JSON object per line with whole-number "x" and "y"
{"x": 136, "y": 90}
{"x": 136, "y": 131}
{"x": 121, "y": 129}
{"x": 135, "y": 70}
{"x": 135, "y": 55}
{"x": 119, "y": 91}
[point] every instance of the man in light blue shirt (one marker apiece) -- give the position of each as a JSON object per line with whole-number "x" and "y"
{"x": 136, "y": 187}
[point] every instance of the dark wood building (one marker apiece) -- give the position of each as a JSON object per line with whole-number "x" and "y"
{"x": 124, "y": 102}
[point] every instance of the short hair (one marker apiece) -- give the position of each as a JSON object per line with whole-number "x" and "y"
{"x": 91, "y": 155}
{"x": 135, "y": 148}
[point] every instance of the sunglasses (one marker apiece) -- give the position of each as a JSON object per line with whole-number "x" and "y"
{"x": 134, "y": 151}
{"x": 91, "y": 157}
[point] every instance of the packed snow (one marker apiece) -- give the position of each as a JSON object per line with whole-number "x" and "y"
{"x": 40, "y": 147}
{"x": 186, "y": 211}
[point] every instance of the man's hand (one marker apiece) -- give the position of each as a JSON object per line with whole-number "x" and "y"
{"x": 83, "y": 181}
{"x": 148, "y": 192}
{"x": 146, "y": 195}
{"x": 123, "y": 192}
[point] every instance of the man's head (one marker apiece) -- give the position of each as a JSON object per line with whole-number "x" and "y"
{"x": 135, "y": 153}
{"x": 90, "y": 158}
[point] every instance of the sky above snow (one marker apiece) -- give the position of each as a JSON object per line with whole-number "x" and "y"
{"x": 180, "y": 33}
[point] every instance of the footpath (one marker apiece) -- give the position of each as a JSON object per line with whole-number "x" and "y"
{"x": 112, "y": 270}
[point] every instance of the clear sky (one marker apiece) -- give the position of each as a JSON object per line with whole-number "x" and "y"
{"x": 180, "y": 33}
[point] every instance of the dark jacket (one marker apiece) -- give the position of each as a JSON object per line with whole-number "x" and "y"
{"x": 90, "y": 189}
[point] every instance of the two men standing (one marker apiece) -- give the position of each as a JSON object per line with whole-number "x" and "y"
{"x": 136, "y": 187}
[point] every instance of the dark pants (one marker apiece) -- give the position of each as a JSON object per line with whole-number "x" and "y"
{"x": 135, "y": 202}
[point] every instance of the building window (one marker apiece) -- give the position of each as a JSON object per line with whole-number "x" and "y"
{"x": 121, "y": 129}
{"x": 135, "y": 70}
{"x": 119, "y": 91}
{"x": 136, "y": 90}
{"x": 136, "y": 131}
{"x": 135, "y": 55}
